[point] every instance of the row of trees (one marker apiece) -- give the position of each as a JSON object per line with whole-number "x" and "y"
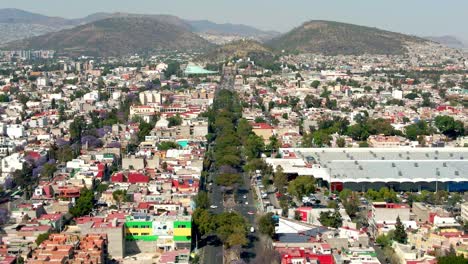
{"x": 227, "y": 132}
{"x": 365, "y": 127}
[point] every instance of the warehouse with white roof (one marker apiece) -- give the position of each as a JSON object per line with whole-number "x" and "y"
{"x": 360, "y": 169}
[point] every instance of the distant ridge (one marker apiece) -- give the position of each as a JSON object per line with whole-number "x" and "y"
{"x": 239, "y": 49}
{"x": 118, "y": 35}
{"x": 449, "y": 41}
{"x": 333, "y": 38}
{"x": 205, "y": 26}
{"x": 18, "y": 24}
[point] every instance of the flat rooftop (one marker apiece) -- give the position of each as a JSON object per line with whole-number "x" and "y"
{"x": 377, "y": 164}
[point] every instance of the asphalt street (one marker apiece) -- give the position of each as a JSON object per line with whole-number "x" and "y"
{"x": 213, "y": 249}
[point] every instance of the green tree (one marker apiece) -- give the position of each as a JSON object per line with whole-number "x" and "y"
{"x": 23, "y": 178}
{"x": 173, "y": 68}
{"x": 53, "y": 104}
{"x": 65, "y": 153}
{"x": 4, "y": 98}
{"x": 280, "y": 180}
{"x": 144, "y": 129}
{"x": 84, "y": 204}
{"x": 42, "y": 237}
{"x": 385, "y": 240}
{"x": 76, "y": 128}
{"x": 452, "y": 260}
{"x": 312, "y": 101}
{"x": 315, "y": 84}
{"x": 244, "y": 129}
{"x": 254, "y": 146}
{"x": 449, "y": 127}
{"x": 48, "y": 170}
{"x": 284, "y": 205}
{"x": 175, "y": 120}
{"x": 266, "y": 224}
{"x": 231, "y": 229}
{"x": 351, "y": 205}
{"x": 333, "y": 204}
{"x": 400, "y": 234}
{"x": 102, "y": 188}
{"x": 331, "y": 219}
{"x": 204, "y": 221}
{"x": 120, "y": 196}
{"x": 274, "y": 144}
{"x": 340, "y": 142}
{"x": 202, "y": 200}
{"x": 166, "y": 145}
{"x": 301, "y": 186}
{"x": 228, "y": 179}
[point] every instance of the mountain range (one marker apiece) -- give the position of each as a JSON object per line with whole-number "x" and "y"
{"x": 18, "y": 24}
{"x": 114, "y": 34}
{"x": 333, "y": 38}
{"x": 449, "y": 41}
{"x": 118, "y": 35}
{"x": 228, "y": 29}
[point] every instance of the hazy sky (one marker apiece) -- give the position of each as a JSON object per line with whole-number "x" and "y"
{"x": 419, "y": 17}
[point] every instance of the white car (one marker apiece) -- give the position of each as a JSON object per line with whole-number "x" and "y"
{"x": 246, "y": 203}
{"x": 252, "y": 229}
{"x": 245, "y": 196}
{"x": 213, "y": 206}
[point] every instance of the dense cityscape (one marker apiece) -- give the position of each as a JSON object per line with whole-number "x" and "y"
{"x": 243, "y": 152}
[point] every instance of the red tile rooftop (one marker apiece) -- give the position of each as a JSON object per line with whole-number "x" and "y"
{"x": 36, "y": 228}
{"x": 54, "y": 217}
{"x": 261, "y": 126}
{"x": 7, "y": 259}
{"x": 389, "y": 205}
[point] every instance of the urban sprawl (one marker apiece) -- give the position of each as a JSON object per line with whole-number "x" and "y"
{"x": 163, "y": 159}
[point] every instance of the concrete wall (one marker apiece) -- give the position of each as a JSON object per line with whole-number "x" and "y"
{"x": 136, "y": 163}
{"x": 421, "y": 212}
{"x": 135, "y": 247}
{"x": 115, "y": 238}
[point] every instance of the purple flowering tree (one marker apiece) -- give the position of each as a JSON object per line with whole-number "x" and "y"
{"x": 91, "y": 141}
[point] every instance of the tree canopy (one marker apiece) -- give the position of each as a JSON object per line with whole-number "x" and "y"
{"x": 301, "y": 186}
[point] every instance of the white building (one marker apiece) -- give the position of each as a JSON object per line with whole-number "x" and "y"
{"x": 397, "y": 94}
{"x": 41, "y": 81}
{"x": 75, "y": 164}
{"x": 15, "y": 131}
{"x": 150, "y": 97}
{"x": 42, "y": 121}
{"x": 92, "y": 96}
{"x": 10, "y": 164}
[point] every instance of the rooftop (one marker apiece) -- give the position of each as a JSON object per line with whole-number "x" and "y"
{"x": 375, "y": 164}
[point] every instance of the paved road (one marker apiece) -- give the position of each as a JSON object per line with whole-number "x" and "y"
{"x": 249, "y": 252}
{"x": 213, "y": 250}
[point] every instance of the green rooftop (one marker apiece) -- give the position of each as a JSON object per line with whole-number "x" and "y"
{"x": 193, "y": 69}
